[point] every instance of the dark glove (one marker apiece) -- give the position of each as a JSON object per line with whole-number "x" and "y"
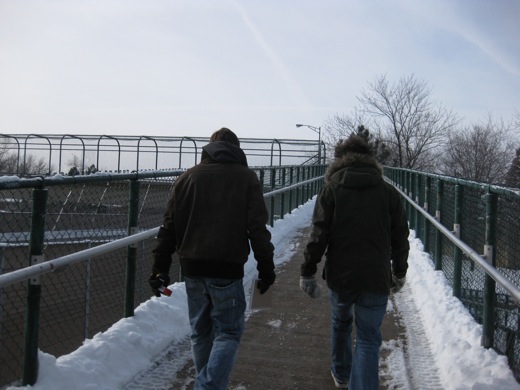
{"x": 309, "y": 286}
{"x": 157, "y": 281}
{"x": 397, "y": 284}
{"x": 266, "y": 280}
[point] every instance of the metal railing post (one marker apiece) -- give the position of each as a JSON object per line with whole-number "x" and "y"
{"x": 273, "y": 186}
{"x": 408, "y": 191}
{"x": 308, "y": 186}
{"x": 291, "y": 178}
{"x": 438, "y": 234}
{"x": 417, "y": 183}
{"x": 87, "y": 294}
{"x": 314, "y": 185}
{"x": 457, "y": 253}
{"x": 282, "y": 196}
{"x": 1, "y": 290}
{"x": 489, "y": 283}
{"x": 133, "y": 213}
{"x": 297, "y": 195}
{"x": 305, "y": 193}
{"x": 304, "y": 187}
{"x": 32, "y": 316}
{"x": 426, "y": 224}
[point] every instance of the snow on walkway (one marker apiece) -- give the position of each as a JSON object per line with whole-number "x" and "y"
{"x": 442, "y": 348}
{"x": 440, "y": 333}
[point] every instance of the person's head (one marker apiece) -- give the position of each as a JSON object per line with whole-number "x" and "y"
{"x": 353, "y": 144}
{"x": 224, "y": 134}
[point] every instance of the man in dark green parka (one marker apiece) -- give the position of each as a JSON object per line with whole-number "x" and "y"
{"x": 360, "y": 224}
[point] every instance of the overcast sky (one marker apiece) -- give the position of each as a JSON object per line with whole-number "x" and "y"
{"x": 189, "y": 67}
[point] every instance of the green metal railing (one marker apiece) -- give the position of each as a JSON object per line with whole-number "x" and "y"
{"x": 89, "y": 241}
{"x": 472, "y": 231}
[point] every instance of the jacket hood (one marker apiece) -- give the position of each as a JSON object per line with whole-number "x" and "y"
{"x": 355, "y": 170}
{"x": 224, "y": 152}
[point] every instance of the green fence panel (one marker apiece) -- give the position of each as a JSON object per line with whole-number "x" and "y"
{"x": 487, "y": 219}
{"x": 81, "y": 212}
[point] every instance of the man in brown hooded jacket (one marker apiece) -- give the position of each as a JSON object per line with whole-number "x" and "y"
{"x": 216, "y": 211}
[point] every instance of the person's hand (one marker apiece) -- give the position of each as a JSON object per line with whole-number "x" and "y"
{"x": 266, "y": 280}
{"x": 309, "y": 286}
{"x": 397, "y": 284}
{"x": 157, "y": 281}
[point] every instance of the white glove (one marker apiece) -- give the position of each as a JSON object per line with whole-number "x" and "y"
{"x": 309, "y": 286}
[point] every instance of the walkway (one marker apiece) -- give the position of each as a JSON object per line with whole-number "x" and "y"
{"x": 288, "y": 347}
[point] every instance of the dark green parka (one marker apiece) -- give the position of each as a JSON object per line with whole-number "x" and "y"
{"x": 360, "y": 224}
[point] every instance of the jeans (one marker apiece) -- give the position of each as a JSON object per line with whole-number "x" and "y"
{"x": 216, "y": 310}
{"x": 362, "y": 371}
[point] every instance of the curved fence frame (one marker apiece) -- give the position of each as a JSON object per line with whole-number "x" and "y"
{"x": 129, "y": 153}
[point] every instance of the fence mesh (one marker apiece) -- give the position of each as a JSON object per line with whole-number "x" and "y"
{"x": 507, "y": 339}
{"x": 473, "y": 279}
{"x": 82, "y": 299}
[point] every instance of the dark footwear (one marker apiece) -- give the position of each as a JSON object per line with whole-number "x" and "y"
{"x": 340, "y": 384}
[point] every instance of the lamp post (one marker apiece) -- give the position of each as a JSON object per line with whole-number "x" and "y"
{"x": 316, "y": 130}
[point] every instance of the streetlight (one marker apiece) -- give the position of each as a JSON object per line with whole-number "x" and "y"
{"x": 316, "y": 130}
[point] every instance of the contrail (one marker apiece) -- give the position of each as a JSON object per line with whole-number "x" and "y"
{"x": 274, "y": 58}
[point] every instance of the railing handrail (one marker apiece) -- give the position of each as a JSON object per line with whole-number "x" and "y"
{"x": 52, "y": 265}
{"x": 466, "y": 249}
{"x": 491, "y": 188}
{"x": 12, "y": 182}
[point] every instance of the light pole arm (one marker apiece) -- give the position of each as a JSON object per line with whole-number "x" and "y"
{"x": 313, "y": 128}
{"x": 316, "y": 130}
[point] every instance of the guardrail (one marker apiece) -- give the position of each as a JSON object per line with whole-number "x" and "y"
{"x": 81, "y": 297}
{"x": 481, "y": 256}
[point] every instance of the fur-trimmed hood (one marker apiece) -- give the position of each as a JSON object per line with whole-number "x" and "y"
{"x": 354, "y": 170}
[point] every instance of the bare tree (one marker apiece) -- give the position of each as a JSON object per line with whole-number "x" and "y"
{"x": 4, "y": 148}
{"x": 340, "y": 127}
{"x": 513, "y": 173}
{"x": 34, "y": 166}
{"x": 481, "y": 152}
{"x": 8, "y": 163}
{"x": 76, "y": 164}
{"x": 411, "y": 124}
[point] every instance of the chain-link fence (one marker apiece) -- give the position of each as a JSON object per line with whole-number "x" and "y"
{"x": 487, "y": 219}
{"x": 87, "y": 297}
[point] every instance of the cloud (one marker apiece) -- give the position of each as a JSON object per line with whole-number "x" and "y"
{"x": 490, "y": 27}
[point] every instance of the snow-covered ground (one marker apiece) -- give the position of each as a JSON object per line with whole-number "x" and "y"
{"x": 443, "y": 348}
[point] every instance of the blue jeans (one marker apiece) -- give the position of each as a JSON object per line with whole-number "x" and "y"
{"x": 369, "y": 310}
{"x": 216, "y": 310}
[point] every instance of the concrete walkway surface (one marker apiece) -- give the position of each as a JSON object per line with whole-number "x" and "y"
{"x": 288, "y": 347}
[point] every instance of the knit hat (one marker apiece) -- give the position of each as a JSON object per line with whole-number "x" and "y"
{"x": 353, "y": 144}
